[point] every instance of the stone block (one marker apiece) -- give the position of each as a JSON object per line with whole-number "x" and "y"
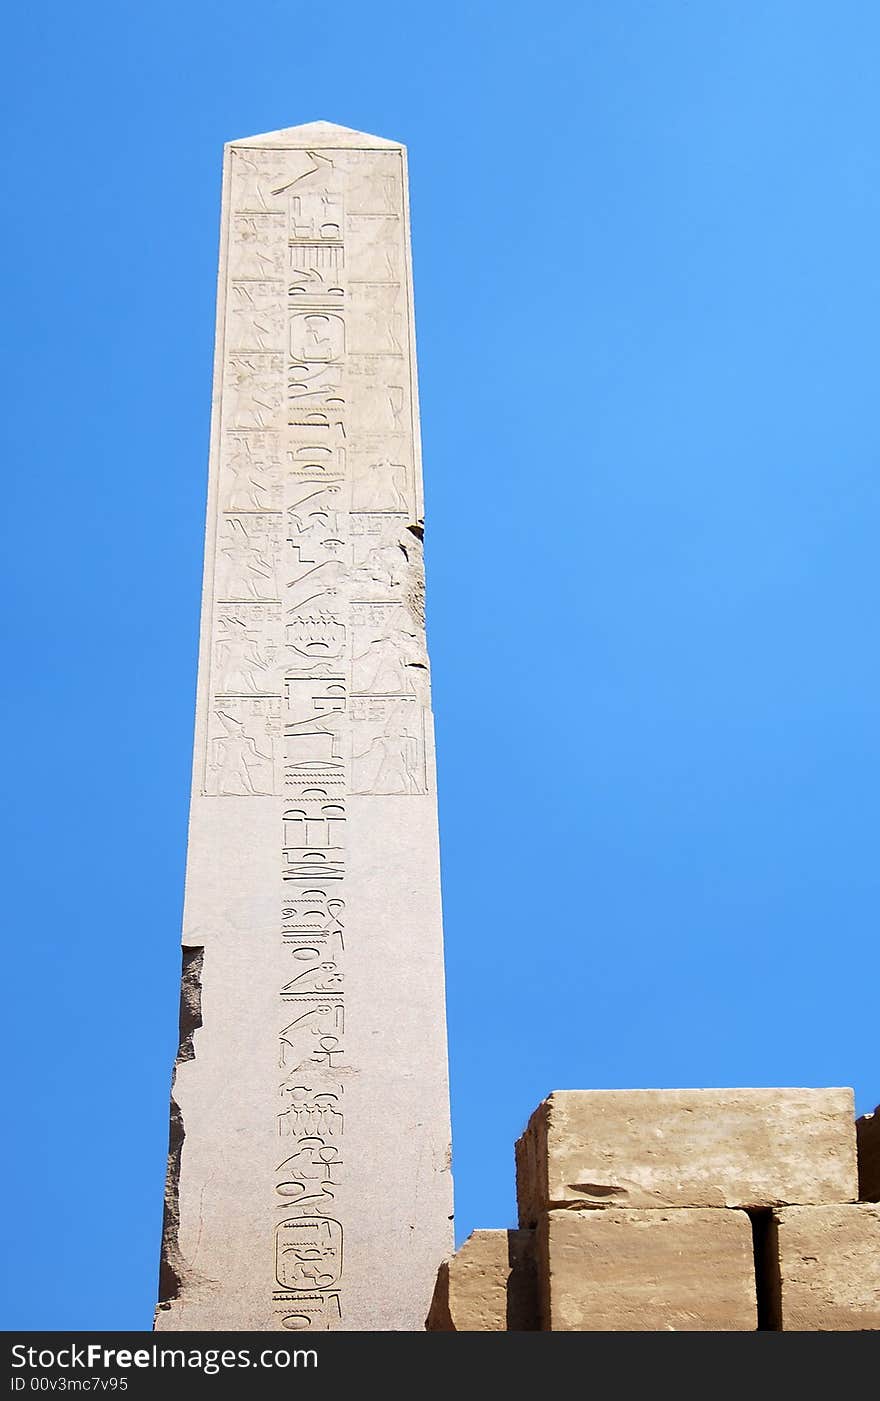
{"x": 868, "y": 1141}
{"x": 822, "y": 1268}
{"x": 614, "y": 1271}
{"x": 687, "y": 1148}
{"x": 488, "y": 1286}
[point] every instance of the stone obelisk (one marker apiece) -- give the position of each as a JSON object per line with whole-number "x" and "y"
{"x": 309, "y": 1177}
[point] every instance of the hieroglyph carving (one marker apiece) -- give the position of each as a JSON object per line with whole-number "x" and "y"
{"x": 319, "y": 679}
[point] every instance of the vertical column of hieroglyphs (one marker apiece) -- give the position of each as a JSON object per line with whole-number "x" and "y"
{"x": 309, "y": 1184}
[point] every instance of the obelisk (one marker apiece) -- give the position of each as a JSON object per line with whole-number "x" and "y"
{"x": 309, "y": 1177}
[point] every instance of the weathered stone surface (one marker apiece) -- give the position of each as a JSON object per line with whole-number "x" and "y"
{"x": 658, "y": 1148}
{"x": 868, "y": 1141}
{"x": 489, "y": 1286}
{"x": 822, "y": 1268}
{"x": 309, "y": 1175}
{"x": 631, "y": 1271}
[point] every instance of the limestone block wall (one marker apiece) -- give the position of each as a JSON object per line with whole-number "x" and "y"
{"x": 686, "y": 1210}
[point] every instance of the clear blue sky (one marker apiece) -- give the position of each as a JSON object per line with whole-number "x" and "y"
{"x": 648, "y": 304}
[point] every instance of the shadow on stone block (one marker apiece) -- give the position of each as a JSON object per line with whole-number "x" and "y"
{"x": 488, "y": 1286}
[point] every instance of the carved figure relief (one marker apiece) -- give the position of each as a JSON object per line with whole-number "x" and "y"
{"x": 380, "y": 485}
{"x": 256, "y": 320}
{"x": 247, "y": 565}
{"x": 377, "y": 319}
{"x": 250, "y": 484}
{"x": 382, "y": 570}
{"x": 254, "y": 390}
{"x": 390, "y": 661}
{"x": 244, "y": 665}
{"x": 380, "y": 256}
{"x": 374, "y": 185}
{"x": 388, "y": 746}
{"x": 259, "y": 245}
{"x": 242, "y": 749}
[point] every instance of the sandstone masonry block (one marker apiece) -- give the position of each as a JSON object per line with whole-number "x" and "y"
{"x": 868, "y": 1138}
{"x": 686, "y": 1148}
{"x": 488, "y": 1286}
{"x": 823, "y": 1268}
{"x": 632, "y": 1271}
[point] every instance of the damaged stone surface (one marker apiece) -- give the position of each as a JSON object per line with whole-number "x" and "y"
{"x": 587, "y": 1149}
{"x": 171, "y": 1264}
{"x": 488, "y": 1286}
{"x": 822, "y": 1268}
{"x": 310, "y": 1183}
{"x": 868, "y": 1142}
{"x": 642, "y": 1271}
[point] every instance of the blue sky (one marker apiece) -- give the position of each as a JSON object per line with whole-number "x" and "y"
{"x": 648, "y": 300}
